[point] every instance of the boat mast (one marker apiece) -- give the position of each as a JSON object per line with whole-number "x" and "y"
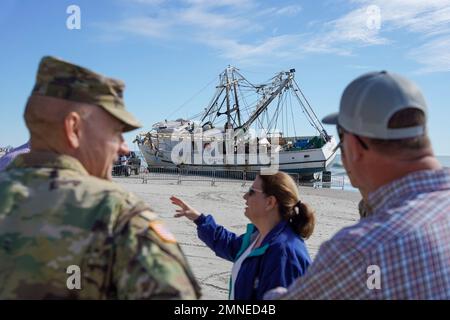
{"x": 228, "y": 83}
{"x": 228, "y": 98}
{"x": 236, "y": 100}
{"x": 275, "y": 90}
{"x": 230, "y": 80}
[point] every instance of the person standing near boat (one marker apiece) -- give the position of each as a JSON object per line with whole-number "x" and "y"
{"x": 400, "y": 248}
{"x": 272, "y": 252}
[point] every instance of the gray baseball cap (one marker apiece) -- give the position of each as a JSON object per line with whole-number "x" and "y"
{"x": 371, "y": 100}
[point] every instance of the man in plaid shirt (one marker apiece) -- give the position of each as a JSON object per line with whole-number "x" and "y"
{"x": 401, "y": 247}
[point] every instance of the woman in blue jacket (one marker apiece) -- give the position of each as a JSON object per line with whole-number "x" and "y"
{"x": 272, "y": 253}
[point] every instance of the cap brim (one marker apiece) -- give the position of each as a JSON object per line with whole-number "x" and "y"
{"x": 331, "y": 118}
{"x": 131, "y": 123}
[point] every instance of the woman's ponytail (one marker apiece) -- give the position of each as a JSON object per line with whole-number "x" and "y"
{"x": 302, "y": 219}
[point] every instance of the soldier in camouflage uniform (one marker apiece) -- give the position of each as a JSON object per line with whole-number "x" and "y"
{"x": 59, "y": 209}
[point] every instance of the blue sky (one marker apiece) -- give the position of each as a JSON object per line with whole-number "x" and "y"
{"x": 166, "y": 51}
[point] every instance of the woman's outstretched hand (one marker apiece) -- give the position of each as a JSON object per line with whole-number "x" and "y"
{"x": 185, "y": 210}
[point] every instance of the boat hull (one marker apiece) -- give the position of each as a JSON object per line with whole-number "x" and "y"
{"x": 303, "y": 162}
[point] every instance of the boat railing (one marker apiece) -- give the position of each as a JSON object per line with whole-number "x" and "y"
{"x": 215, "y": 176}
{"x": 158, "y": 173}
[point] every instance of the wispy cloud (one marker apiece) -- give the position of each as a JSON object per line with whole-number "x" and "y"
{"x": 240, "y": 30}
{"x": 221, "y": 3}
{"x": 290, "y": 10}
{"x": 274, "y": 47}
{"x": 429, "y": 20}
{"x": 145, "y": 2}
{"x": 197, "y": 16}
{"x": 193, "y": 17}
{"x": 146, "y": 26}
{"x": 418, "y": 16}
{"x": 219, "y": 24}
{"x": 433, "y": 55}
{"x": 342, "y": 35}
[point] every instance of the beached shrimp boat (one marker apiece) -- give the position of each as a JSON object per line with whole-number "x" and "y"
{"x": 244, "y": 127}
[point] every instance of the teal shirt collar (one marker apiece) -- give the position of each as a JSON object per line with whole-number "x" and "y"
{"x": 247, "y": 240}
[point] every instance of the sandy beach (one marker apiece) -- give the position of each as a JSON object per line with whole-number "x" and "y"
{"x": 335, "y": 209}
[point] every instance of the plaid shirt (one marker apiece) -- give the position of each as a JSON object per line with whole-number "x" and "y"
{"x": 406, "y": 237}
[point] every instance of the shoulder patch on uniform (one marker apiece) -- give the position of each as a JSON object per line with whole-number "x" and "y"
{"x": 161, "y": 230}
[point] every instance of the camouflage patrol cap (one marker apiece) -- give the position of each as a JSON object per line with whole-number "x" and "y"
{"x": 60, "y": 79}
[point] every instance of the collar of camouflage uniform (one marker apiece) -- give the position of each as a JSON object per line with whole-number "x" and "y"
{"x": 49, "y": 160}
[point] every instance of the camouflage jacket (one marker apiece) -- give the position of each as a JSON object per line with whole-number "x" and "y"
{"x": 67, "y": 235}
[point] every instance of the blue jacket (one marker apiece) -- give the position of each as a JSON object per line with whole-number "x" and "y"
{"x": 281, "y": 258}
